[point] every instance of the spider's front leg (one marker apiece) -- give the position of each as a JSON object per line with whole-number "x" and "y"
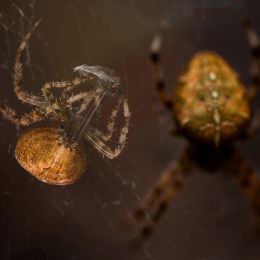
{"x": 254, "y": 88}
{"x": 110, "y": 126}
{"x": 98, "y": 139}
{"x": 254, "y": 45}
{"x": 85, "y": 97}
{"x": 247, "y": 179}
{"x": 157, "y": 201}
{"x": 166, "y": 100}
{"x": 18, "y": 73}
{"x": 66, "y": 85}
{"x": 27, "y": 119}
{"x": 155, "y": 57}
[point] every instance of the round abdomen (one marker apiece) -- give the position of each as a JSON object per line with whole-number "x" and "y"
{"x": 42, "y": 154}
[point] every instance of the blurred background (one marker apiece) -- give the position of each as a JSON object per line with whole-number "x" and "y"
{"x": 209, "y": 219}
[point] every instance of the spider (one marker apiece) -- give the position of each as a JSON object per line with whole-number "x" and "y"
{"x": 212, "y": 109}
{"x": 55, "y": 155}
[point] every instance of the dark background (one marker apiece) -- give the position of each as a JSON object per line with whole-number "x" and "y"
{"x": 209, "y": 219}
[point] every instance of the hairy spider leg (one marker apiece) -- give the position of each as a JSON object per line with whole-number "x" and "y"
{"x": 96, "y": 137}
{"x": 9, "y": 114}
{"x": 247, "y": 179}
{"x": 35, "y": 100}
{"x": 86, "y": 98}
{"x": 110, "y": 125}
{"x": 152, "y": 208}
{"x": 67, "y": 85}
{"x": 166, "y": 100}
{"x": 18, "y": 73}
{"x": 155, "y": 57}
{"x": 254, "y": 44}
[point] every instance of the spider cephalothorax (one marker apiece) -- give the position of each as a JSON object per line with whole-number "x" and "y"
{"x": 55, "y": 154}
{"x": 212, "y": 108}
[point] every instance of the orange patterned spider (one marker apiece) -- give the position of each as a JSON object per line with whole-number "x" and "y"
{"x": 212, "y": 109}
{"x": 55, "y": 155}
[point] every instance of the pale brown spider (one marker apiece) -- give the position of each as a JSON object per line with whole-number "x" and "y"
{"x": 212, "y": 109}
{"x": 54, "y": 154}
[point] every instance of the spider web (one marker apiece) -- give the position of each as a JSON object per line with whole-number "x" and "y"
{"x": 88, "y": 219}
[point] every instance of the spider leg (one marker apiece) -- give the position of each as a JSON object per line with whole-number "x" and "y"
{"x": 111, "y": 124}
{"x": 32, "y": 99}
{"x": 18, "y": 73}
{"x": 247, "y": 179}
{"x": 96, "y": 139}
{"x": 83, "y": 98}
{"x": 68, "y": 85}
{"x": 166, "y": 101}
{"x": 157, "y": 201}
{"x": 86, "y": 97}
{"x": 27, "y": 119}
{"x": 155, "y": 57}
{"x": 254, "y": 127}
{"x": 254, "y": 44}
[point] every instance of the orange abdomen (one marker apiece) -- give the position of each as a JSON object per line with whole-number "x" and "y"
{"x": 40, "y": 152}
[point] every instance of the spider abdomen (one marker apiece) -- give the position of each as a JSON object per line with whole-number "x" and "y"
{"x": 41, "y": 152}
{"x": 211, "y": 103}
